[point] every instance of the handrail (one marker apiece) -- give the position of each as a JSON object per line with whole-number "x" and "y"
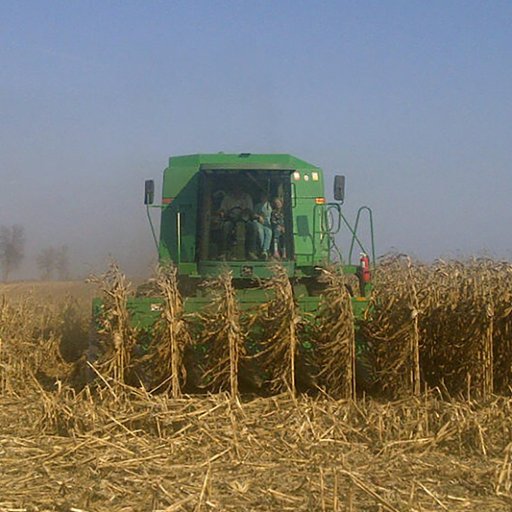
{"x": 354, "y": 237}
{"x": 334, "y": 246}
{"x": 178, "y": 234}
{"x": 325, "y": 229}
{"x": 331, "y": 231}
{"x": 328, "y": 228}
{"x": 354, "y": 233}
{"x": 293, "y": 193}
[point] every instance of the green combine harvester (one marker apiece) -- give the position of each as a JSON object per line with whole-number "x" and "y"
{"x": 242, "y": 213}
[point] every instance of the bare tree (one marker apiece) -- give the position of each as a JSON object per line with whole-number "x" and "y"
{"x": 46, "y": 262}
{"x": 12, "y": 245}
{"x": 51, "y": 261}
{"x": 62, "y": 263}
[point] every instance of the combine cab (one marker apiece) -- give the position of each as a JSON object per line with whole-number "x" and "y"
{"x": 241, "y": 213}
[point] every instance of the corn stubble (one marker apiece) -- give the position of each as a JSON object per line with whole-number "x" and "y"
{"x": 135, "y": 451}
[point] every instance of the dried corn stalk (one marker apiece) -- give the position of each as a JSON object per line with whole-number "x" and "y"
{"x": 335, "y": 340}
{"x": 393, "y": 333}
{"x": 500, "y": 280}
{"x": 116, "y": 337}
{"x": 278, "y": 322}
{"x": 29, "y": 346}
{"x": 172, "y": 334}
{"x": 458, "y": 325}
{"x": 222, "y": 333}
{"x": 452, "y": 318}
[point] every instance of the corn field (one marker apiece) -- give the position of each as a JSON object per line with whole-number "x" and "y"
{"x": 445, "y": 326}
{"x": 407, "y": 409}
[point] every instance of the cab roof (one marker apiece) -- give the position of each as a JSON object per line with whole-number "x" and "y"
{"x": 278, "y": 161}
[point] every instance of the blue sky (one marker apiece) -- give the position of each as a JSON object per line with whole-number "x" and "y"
{"x": 412, "y": 101}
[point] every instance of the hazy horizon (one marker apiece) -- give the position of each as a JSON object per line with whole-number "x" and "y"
{"x": 410, "y": 100}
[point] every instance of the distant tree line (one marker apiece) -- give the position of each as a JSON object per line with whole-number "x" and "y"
{"x": 12, "y": 247}
{"x": 52, "y": 262}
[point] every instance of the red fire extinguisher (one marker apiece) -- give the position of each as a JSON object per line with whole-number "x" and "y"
{"x": 364, "y": 261}
{"x": 363, "y": 272}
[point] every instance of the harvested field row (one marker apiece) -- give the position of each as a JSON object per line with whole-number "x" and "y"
{"x": 126, "y": 450}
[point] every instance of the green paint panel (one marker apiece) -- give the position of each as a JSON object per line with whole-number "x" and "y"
{"x": 145, "y": 311}
{"x": 242, "y": 269}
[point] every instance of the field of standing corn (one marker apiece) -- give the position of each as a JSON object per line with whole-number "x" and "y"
{"x": 431, "y": 431}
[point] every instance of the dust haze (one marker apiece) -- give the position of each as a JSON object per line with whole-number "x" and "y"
{"x": 412, "y": 103}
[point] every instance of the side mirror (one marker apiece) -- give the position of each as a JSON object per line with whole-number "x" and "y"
{"x": 339, "y": 188}
{"x": 149, "y": 192}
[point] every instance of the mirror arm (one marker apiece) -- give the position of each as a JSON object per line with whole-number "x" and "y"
{"x": 152, "y": 227}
